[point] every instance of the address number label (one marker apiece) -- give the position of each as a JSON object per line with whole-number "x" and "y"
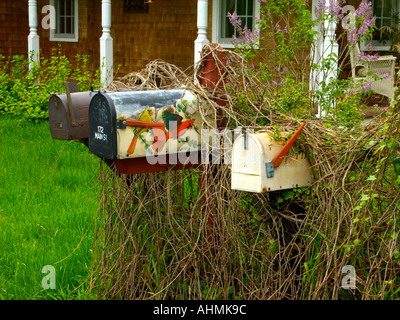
{"x": 100, "y": 135}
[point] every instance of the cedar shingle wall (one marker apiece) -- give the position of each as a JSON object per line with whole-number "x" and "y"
{"x": 89, "y": 33}
{"x": 14, "y": 27}
{"x": 167, "y": 32}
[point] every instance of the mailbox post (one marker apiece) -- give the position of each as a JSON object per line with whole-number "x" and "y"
{"x": 211, "y": 78}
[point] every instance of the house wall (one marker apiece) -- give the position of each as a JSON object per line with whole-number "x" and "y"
{"x": 167, "y": 32}
{"x": 14, "y": 28}
{"x": 89, "y": 34}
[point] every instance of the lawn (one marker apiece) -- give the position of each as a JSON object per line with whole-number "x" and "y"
{"x": 48, "y": 200}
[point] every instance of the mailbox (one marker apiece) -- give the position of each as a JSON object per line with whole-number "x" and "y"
{"x": 136, "y": 124}
{"x": 68, "y": 115}
{"x": 255, "y": 167}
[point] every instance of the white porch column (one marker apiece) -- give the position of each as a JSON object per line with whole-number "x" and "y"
{"x": 33, "y": 38}
{"x": 106, "y": 44}
{"x": 202, "y": 23}
{"x": 324, "y": 48}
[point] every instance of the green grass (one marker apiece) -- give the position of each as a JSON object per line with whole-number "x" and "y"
{"x": 48, "y": 198}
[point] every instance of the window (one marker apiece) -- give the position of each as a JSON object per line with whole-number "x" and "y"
{"x": 136, "y": 6}
{"x": 66, "y": 15}
{"x": 386, "y": 13}
{"x": 247, "y": 11}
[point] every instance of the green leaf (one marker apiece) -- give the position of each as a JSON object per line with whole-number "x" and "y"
{"x": 288, "y": 194}
{"x": 365, "y": 197}
{"x": 272, "y": 246}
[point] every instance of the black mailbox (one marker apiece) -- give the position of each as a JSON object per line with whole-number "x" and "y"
{"x": 124, "y": 125}
{"x": 68, "y": 115}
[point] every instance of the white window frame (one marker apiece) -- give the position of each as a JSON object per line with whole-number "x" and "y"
{"x": 216, "y": 23}
{"x": 378, "y": 45}
{"x": 63, "y": 37}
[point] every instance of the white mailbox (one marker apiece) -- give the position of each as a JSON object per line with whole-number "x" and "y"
{"x": 254, "y": 166}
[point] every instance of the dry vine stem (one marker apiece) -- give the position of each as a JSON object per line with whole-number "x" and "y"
{"x": 154, "y": 240}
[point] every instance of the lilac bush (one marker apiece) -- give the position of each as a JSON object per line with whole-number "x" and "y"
{"x": 288, "y": 25}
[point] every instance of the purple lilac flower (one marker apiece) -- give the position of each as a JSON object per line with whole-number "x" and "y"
{"x": 368, "y": 57}
{"x": 335, "y": 9}
{"x": 281, "y": 71}
{"x": 250, "y": 37}
{"x": 352, "y": 36}
{"x": 279, "y": 28}
{"x": 382, "y": 75}
{"x": 234, "y": 19}
{"x": 366, "y": 87}
{"x": 350, "y": 91}
{"x": 276, "y": 84}
{"x": 364, "y": 9}
{"x": 365, "y": 12}
{"x": 384, "y": 109}
{"x": 246, "y": 36}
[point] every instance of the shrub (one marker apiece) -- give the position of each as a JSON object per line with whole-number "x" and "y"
{"x": 296, "y": 74}
{"x": 24, "y": 91}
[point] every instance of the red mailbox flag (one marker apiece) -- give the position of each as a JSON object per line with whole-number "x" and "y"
{"x": 281, "y": 155}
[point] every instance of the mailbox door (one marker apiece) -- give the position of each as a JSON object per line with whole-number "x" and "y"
{"x": 59, "y": 123}
{"x": 102, "y": 127}
{"x": 80, "y": 102}
{"x": 247, "y": 164}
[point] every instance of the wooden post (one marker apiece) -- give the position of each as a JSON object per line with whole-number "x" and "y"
{"x": 106, "y": 44}
{"x": 202, "y": 22}
{"x": 325, "y": 47}
{"x": 33, "y": 38}
{"x": 211, "y": 78}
